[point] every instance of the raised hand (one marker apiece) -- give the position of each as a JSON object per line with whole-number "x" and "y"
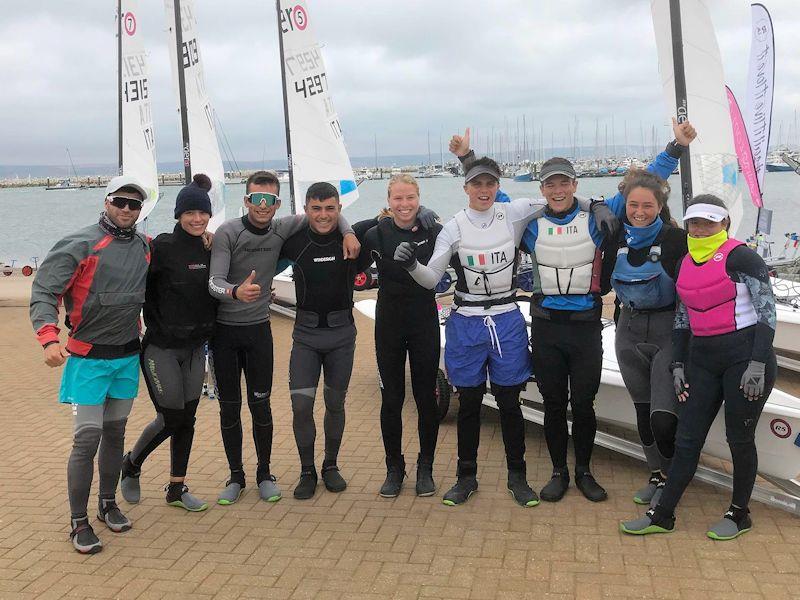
{"x": 684, "y": 132}
{"x": 247, "y": 291}
{"x": 459, "y": 145}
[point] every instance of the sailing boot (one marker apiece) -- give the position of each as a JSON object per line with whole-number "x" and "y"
{"x": 655, "y": 520}
{"x": 735, "y": 522}
{"x": 395, "y": 474}
{"x": 557, "y": 486}
{"x": 466, "y": 484}
{"x": 520, "y": 490}
{"x": 425, "y": 484}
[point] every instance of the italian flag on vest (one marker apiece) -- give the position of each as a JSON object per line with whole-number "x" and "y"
{"x": 478, "y": 259}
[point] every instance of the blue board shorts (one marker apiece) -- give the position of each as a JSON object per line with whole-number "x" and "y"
{"x": 497, "y": 344}
{"x": 89, "y": 381}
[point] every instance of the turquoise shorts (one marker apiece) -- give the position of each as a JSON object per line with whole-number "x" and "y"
{"x": 89, "y": 381}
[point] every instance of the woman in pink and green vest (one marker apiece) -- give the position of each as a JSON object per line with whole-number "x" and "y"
{"x": 722, "y": 348}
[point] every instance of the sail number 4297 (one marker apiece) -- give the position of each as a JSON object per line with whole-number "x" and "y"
{"x": 311, "y": 86}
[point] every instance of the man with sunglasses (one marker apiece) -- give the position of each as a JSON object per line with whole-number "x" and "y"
{"x": 243, "y": 262}
{"x": 99, "y": 272}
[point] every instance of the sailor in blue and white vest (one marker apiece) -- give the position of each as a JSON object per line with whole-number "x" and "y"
{"x": 566, "y": 244}
{"x": 485, "y": 333}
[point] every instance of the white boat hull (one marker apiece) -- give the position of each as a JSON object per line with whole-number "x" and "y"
{"x": 283, "y": 286}
{"x": 777, "y": 434}
{"x": 787, "y": 332}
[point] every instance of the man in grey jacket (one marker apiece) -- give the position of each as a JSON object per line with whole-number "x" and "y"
{"x": 99, "y": 273}
{"x": 243, "y": 262}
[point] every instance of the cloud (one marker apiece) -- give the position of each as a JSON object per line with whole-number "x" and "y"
{"x": 396, "y": 71}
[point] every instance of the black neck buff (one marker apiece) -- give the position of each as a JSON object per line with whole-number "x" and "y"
{"x": 107, "y": 225}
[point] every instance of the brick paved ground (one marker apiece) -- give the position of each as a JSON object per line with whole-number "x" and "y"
{"x": 355, "y": 544}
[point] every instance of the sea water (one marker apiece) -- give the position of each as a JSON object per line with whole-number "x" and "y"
{"x": 33, "y": 219}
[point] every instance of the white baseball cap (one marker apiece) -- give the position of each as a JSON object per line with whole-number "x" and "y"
{"x": 117, "y": 183}
{"x": 709, "y": 212}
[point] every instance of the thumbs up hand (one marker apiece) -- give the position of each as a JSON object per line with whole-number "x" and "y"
{"x": 247, "y": 291}
{"x": 459, "y": 145}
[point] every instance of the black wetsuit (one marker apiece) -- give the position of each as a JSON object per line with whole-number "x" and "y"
{"x": 324, "y": 336}
{"x": 180, "y": 315}
{"x": 406, "y": 322}
{"x": 714, "y": 366}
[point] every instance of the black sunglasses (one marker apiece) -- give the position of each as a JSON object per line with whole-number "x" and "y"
{"x": 122, "y": 202}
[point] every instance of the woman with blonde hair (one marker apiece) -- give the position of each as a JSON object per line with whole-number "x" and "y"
{"x": 406, "y": 324}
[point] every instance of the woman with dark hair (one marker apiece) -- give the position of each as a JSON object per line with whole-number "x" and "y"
{"x": 643, "y": 279}
{"x": 722, "y": 352}
{"x": 179, "y": 314}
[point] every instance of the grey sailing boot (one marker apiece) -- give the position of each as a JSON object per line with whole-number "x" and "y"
{"x": 129, "y": 481}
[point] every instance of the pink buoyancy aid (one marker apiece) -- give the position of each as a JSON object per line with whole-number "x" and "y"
{"x": 716, "y": 304}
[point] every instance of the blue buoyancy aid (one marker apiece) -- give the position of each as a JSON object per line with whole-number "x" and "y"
{"x": 646, "y": 287}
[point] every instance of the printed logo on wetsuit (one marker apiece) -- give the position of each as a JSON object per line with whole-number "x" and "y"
{"x": 197, "y": 267}
{"x": 718, "y": 257}
{"x": 562, "y": 230}
{"x": 258, "y": 249}
{"x": 324, "y": 259}
{"x": 261, "y": 394}
{"x": 492, "y": 258}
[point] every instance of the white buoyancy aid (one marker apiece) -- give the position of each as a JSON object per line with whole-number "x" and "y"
{"x": 566, "y": 259}
{"x": 487, "y": 257}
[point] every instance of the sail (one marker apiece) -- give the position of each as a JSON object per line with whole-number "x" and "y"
{"x": 200, "y": 147}
{"x": 744, "y": 150}
{"x": 714, "y": 168}
{"x": 317, "y": 145}
{"x": 137, "y": 146}
{"x": 760, "y": 88}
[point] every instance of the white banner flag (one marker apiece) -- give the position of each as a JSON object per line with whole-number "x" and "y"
{"x": 760, "y": 87}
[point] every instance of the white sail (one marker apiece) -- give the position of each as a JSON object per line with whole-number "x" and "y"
{"x": 201, "y": 150}
{"x": 713, "y": 156}
{"x": 318, "y": 152}
{"x": 137, "y": 140}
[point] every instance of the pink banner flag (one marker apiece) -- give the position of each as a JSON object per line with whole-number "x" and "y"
{"x": 743, "y": 151}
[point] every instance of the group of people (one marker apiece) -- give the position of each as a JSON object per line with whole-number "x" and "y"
{"x": 696, "y": 318}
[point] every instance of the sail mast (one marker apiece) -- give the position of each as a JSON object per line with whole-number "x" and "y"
{"x": 119, "y": 85}
{"x": 680, "y": 96}
{"x": 285, "y": 104}
{"x": 187, "y": 151}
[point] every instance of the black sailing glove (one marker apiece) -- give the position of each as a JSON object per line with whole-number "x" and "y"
{"x": 405, "y": 254}
{"x": 607, "y": 221}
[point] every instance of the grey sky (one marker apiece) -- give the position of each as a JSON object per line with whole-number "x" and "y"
{"x": 396, "y": 70}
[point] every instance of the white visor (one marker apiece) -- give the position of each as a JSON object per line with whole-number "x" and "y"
{"x": 709, "y": 212}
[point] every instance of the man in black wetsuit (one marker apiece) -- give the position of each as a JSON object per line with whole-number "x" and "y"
{"x": 324, "y": 333}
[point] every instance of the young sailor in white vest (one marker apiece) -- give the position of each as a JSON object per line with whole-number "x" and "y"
{"x": 485, "y": 330}
{"x": 566, "y": 332}
{"x": 649, "y": 251}
{"x": 722, "y": 352}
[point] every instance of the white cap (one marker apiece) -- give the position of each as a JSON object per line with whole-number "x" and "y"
{"x": 709, "y": 212}
{"x": 125, "y": 181}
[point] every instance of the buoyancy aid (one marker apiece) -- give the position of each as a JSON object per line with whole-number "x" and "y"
{"x": 715, "y": 303}
{"x": 487, "y": 259}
